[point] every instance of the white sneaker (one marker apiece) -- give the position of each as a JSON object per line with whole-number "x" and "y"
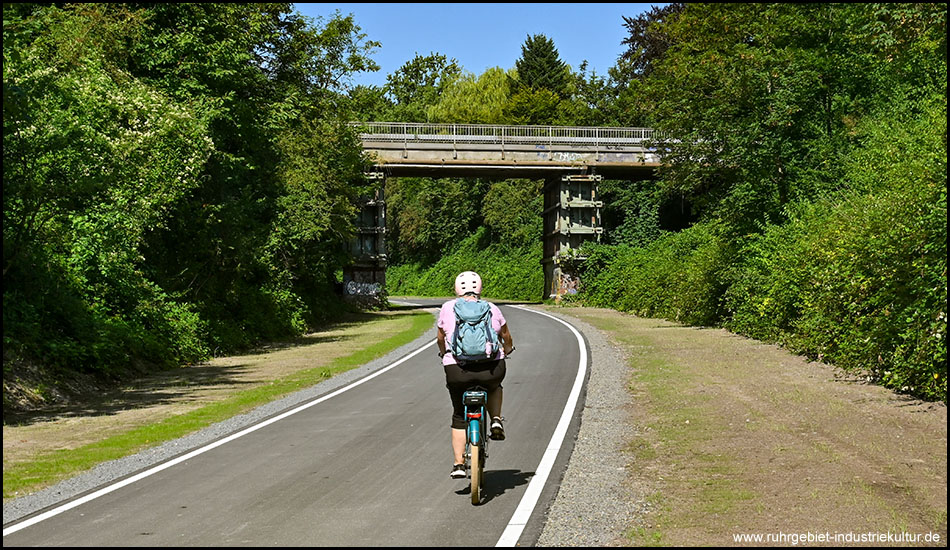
{"x": 497, "y": 429}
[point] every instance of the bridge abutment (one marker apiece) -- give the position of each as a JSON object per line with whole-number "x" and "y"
{"x": 364, "y": 281}
{"x": 571, "y": 217}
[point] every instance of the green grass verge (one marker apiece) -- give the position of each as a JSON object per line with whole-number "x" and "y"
{"x": 52, "y": 467}
{"x": 701, "y": 484}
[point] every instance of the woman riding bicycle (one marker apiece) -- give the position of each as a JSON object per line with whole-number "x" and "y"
{"x": 462, "y": 375}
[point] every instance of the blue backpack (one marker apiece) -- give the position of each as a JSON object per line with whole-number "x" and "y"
{"x": 474, "y": 340}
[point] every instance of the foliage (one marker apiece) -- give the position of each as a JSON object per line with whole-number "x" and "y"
{"x": 631, "y": 213}
{"x": 512, "y": 210}
{"x": 751, "y": 104}
{"x": 532, "y": 106}
{"x": 506, "y": 272}
{"x": 812, "y": 141}
{"x": 592, "y": 101}
{"x": 647, "y": 42}
{"x": 861, "y": 279}
{"x": 418, "y": 85}
{"x": 171, "y": 186}
{"x": 468, "y": 99}
{"x": 429, "y": 218}
{"x": 93, "y": 161}
{"x": 540, "y": 67}
{"x": 539, "y": 83}
{"x": 679, "y": 276}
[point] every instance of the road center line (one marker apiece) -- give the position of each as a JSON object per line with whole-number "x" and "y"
{"x": 118, "y": 485}
{"x": 530, "y": 499}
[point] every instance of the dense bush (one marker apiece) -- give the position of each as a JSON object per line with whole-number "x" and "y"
{"x": 507, "y": 273}
{"x": 678, "y": 276}
{"x": 93, "y": 161}
{"x": 861, "y": 279}
{"x": 858, "y": 279}
{"x": 811, "y": 141}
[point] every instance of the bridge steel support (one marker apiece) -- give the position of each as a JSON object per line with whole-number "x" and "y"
{"x": 364, "y": 281}
{"x": 571, "y": 217}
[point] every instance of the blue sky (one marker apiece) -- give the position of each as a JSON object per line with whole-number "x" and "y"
{"x": 481, "y": 36}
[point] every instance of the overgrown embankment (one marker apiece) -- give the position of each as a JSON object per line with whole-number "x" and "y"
{"x": 857, "y": 278}
{"x": 175, "y": 184}
{"x": 507, "y": 273}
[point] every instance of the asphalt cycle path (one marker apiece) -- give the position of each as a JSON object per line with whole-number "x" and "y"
{"x": 365, "y": 465}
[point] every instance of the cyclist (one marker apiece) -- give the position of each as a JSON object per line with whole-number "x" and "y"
{"x": 460, "y": 376}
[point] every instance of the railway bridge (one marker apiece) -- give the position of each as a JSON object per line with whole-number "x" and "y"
{"x": 571, "y": 161}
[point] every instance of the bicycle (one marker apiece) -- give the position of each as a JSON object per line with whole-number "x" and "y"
{"x": 476, "y": 438}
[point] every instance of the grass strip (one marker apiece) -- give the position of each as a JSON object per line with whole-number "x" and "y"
{"x": 55, "y": 466}
{"x": 700, "y": 483}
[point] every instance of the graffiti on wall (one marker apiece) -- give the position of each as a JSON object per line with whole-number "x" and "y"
{"x": 355, "y": 288}
{"x": 567, "y": 284}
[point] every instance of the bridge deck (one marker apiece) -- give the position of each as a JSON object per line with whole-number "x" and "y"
{"x": 508, "y": 151}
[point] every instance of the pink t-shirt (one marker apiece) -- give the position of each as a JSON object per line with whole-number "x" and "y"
{"x": 446, "y": 322}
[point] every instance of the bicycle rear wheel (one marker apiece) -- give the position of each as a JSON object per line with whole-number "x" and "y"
{"x": 478, "y": 467}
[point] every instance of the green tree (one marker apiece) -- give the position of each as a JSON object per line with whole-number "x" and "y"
{"x": 753, "y": 97}
{"x": 430, "y": 217}
{"x": 418, "y": 84}
{"x": 368, "y": 103}
{"x": 468, "y": 99}
{"x": 177, "y": 177}
{"x": 512, "y": 211}
{"x": 540, "y": 67}
{"x": 592, "y": 101}
{"x": 539, "y": 84}
{"x": 94, "y": 160}
{"x": 259, "y": 87}
{"x": 533, "y": 107}
{"x": 647, "y": 40}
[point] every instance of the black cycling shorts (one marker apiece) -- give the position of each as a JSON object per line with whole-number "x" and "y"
{"x": 459, "y": 379}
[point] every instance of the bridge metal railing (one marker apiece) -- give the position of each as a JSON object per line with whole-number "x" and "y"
{"x": 487, "y": 134}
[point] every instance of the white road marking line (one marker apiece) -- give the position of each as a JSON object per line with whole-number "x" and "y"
{"x": 518, "y": 520}
{"x": 118, "y": 485}
{"x": 530, "y": 499}
{"x": 402, "y": 303}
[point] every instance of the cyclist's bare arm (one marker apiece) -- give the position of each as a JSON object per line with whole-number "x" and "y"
{"x": 506, "y": 340}
{"x": 440, "y": 338}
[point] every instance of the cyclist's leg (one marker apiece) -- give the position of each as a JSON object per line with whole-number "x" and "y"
{"x": 458, "y": 445}
{"x": 495, "y": 395}
{"x": 494, "y": 402}
{"x": 456, "y": 382}
{"x": 495, "y": 391}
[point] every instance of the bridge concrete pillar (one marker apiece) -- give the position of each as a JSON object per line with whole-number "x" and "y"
{"x": 571, "y": 217}
{"x": 364, "y": 281}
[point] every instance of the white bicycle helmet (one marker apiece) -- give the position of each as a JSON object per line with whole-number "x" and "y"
{"x": 468, "y": 281}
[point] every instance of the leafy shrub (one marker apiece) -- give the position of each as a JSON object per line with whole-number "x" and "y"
{"x": 861, "y": 280}
{"x": 858, "y": 279}
{"x": 507, "y": 273}
{"x": 679, "y": 276}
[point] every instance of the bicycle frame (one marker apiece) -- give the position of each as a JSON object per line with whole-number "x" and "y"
{"x": 476, "y": 437}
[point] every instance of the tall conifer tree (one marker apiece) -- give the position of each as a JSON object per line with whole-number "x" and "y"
{"x": 540, "y": 67}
